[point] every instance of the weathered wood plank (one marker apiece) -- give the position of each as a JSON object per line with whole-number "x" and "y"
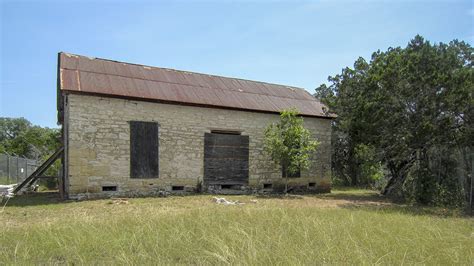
{"x": 226, "y": 152}
{"x": 144, "y": 146}
{"x": 226, "y": 159}
{"x": 216, "y": 139}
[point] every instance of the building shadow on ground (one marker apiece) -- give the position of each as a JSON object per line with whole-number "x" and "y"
{"x": 396, "y": 208}
{"x": 350, "y": 199}
{"x": 373, "y": 201}
{"x": 355, "y": 196}
{"x": 34, "y": 199}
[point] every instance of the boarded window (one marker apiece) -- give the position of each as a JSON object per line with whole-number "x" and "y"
{"x": 143, "y": 149}
{"x": 226, "y": 159}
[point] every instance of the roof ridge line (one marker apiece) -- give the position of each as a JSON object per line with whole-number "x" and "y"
{"x": 158, "y": 81}
{"x": 172, "y": 69}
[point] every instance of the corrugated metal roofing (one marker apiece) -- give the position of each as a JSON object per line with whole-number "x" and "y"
{"x": 82, "y": 74}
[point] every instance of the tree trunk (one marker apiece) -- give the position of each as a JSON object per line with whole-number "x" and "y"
{"x": 394, "y": 184}
{"x": 353, "y": 169}
{"x": 398, "y": 176}
{"x": 286, "y": 181}
{"x": 468, "y": 159}
{"x": 354, "y": 181}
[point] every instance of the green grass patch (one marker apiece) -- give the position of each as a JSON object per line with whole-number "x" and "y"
{"x": 5, "y": 180}
{"x": 344, "y": 227}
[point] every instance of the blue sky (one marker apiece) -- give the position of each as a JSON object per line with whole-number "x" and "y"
{"x": 297, "y": 43}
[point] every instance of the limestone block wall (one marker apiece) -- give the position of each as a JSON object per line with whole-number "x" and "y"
{"x": 98, "y": 146}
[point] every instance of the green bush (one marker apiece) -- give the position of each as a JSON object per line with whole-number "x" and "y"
{"x": 436, "y": 180}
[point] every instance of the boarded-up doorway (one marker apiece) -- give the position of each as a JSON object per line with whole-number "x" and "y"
{"x": 226, "y": 159}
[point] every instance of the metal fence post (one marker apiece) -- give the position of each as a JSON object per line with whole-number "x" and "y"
{"x": 17, "y": 170}
{"x": 26, "y": 169}
{"x": 472, "y": 177}
{"x": 8, "y": 168}
{"x": 12, "y": 173}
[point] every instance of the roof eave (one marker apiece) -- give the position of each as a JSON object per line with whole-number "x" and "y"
{"x": 103, "y": 95}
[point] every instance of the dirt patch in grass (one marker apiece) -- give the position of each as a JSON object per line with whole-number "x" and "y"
{"x": 329, "y": 200}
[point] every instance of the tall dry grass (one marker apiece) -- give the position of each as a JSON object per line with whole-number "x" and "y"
{"x": 194, "y": 230}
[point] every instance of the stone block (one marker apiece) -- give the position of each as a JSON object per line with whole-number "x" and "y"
{"x": 99, "y": 149}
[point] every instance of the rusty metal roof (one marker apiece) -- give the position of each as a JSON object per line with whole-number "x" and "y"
{"x": 82, "y": 74}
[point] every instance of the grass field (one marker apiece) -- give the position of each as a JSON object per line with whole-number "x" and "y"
{"x": 344, "y": 227}
{"x": 4, "y": 180}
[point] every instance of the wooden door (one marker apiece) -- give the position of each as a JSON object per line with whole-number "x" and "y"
{"x": 226, "y": 159}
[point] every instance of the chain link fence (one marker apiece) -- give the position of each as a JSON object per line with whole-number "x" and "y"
{"x": 14, "y": 169}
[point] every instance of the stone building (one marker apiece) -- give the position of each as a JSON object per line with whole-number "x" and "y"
{"x": 137, "y": 130}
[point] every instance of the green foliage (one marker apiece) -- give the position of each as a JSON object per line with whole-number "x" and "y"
{"x": 11, "y": 135}
{"x": 404, "y": 102}
{"x": 289, "y": 143}
{"x": 370, "y": 169}
{"x": 20, "y": 138}
{"x": 435, "y": 180}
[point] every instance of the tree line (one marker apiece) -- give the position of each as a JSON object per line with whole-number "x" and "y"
{"x": 20, "y": 137}
{"x": 405, "y": 122}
